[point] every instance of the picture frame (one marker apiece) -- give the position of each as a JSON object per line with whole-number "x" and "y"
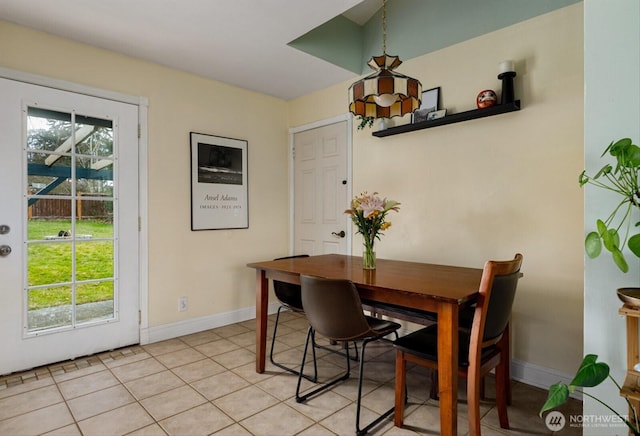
{"x": 436, "y": 115}
{"x": 219, "y": 182}
{"x": 430, "y": 103}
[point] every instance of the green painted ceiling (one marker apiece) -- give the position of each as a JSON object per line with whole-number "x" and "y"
{"x": 416, "y": 27}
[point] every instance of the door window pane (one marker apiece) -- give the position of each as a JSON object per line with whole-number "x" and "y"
{"x": 93, "y": 140}
{"x": 49, "y": 263}
{"x": 94, "y": 301}
{"x": 48, "y": 130}
{"x": 94, "y": 260}
{"x": 48, "y": 174}
{"x": 49, "y": 307}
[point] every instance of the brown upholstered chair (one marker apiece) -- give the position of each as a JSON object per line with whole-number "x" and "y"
{"x": 481, "y": 349}
{"x": 334, "y": 310}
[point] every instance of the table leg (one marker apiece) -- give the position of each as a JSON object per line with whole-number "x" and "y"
{"x": 400, "y": 393}
{"x": 262, "y": 299}
{"x": 448, "y": 368}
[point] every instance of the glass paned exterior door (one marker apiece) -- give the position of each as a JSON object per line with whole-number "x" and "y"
{"x": 69, "y": 221}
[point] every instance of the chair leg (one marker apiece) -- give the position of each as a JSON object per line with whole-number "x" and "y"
{"x": 433, "y": 391}
{"x": 401, "y": 388}
{"x": 360, "y": 432}
{"x": 345, "y": 376}
{"x": 502, "y": 394}
{"x": 286, "y": 368}
{"x": 473, "y": 399}
{"x": 355, "y": 348}
{"x": 506, "y": 360}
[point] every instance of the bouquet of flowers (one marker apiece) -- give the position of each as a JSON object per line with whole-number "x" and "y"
{"x": 369, "y": 213}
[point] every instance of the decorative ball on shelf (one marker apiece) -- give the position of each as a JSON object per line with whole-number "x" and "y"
{"x": 486, "y": 98}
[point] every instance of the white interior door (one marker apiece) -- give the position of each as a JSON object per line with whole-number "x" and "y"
{"x": 69, "y": 216}
{"x": 320, "y": 190}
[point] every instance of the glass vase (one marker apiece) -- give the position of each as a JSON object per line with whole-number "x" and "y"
{"x": 368, "y": 258}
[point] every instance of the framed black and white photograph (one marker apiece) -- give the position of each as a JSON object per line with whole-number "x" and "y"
{"x": 430, "y": 102}
{"x": 218, "y": 183}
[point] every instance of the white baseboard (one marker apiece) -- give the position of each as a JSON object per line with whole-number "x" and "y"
{"x": 539, "y": 376}
{"x": 195, "y": 325}
{"x": 528, "y": 373}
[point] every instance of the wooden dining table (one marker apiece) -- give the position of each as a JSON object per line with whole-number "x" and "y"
{"x": 440, "y": 289}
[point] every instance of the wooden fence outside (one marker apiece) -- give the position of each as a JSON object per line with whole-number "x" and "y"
{"x": 57, "y": 208}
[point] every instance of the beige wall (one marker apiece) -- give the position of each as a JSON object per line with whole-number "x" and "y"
{"x": 206, "y": 266}
{"x": 469, "y": 191}
{"x": 492, "y": 187}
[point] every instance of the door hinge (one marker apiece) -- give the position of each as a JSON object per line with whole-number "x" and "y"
{"x": 139, "y": 131}
{"x": 139, "y": 224}
{"x": 139, "y": 317}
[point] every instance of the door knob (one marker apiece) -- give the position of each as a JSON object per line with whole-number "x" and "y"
{"x": 341, "y": 234}
{"x": 5, "y": 250}
{"x": 4, "y": 229}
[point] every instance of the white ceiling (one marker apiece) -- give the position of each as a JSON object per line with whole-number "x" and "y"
{"x": 239, "y": 42}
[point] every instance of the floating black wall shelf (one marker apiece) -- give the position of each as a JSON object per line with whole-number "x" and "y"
{"x": 453, "y": 118}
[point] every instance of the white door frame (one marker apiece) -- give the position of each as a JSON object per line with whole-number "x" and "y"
{"x": 292, "y": 131}
{"x": 143, "y": 236}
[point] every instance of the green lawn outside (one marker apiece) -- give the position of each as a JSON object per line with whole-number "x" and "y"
{"x": 50, "y": 263}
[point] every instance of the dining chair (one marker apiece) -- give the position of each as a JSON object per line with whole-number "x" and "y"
{"x": 334, "y": 310}
{"x": 289, "y": 296}
{"x": 481, "y": 349}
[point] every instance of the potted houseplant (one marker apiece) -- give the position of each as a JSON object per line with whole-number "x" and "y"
{"x": 591, "y": 373}
{"x": 623, "y": 180}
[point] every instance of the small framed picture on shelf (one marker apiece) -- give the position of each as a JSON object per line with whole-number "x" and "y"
{"x": 429, "y": 103}
{"x": 435, "y": 115}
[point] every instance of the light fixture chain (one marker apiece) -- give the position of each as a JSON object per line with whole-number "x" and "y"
{"x": 384, "y": 27}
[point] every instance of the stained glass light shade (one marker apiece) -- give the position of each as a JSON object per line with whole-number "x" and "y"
{"x": 385, "y": 93}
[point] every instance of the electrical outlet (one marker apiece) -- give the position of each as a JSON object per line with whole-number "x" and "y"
{"x": 183, "y": 304}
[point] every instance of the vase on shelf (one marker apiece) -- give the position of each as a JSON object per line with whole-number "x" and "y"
{"x": 368, "y": 257}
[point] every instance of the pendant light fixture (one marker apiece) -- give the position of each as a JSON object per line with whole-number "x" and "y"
{"x": 384, "y": 93}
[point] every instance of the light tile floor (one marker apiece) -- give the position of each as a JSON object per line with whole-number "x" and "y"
{"x": 205, "y": 383}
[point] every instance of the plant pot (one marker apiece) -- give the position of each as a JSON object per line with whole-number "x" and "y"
{"x": 629, "y": 296}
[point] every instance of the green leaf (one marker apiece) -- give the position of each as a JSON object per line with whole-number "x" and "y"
{"x": 601, "y": 226}
{"x": 593, "y": 245}
{"x": 611, "y": 240}
{"x": 583, "y": 179}
{"x": 632, "y": 156}
{"x": 607, "y": 149}
{"x": 619, "y": 260}
{"x": 591, "y": 373}
{"x": 604, "y": 170}
{"x": 619, "y": 147}
{"x": 627, "y": 153}
{"x": 558, "y": 395}
{"x": 634, "y": 244}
